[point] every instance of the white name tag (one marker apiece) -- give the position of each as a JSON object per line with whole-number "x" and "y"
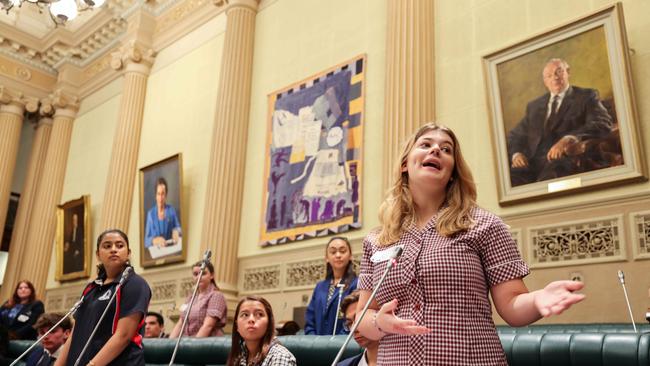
{"x": 385, "y": 254}
{"x": 22, "y": 318}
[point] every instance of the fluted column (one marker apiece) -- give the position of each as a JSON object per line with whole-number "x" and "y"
{"x": 126, "y": 141}
{"x": 223, "y": 199}
{"x": 35, "y": 164}
{"x": 409, "y": 95}
{"x": 42, "y": 224}
{"x": 12, "y": 109}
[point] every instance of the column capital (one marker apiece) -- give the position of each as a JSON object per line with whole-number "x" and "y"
{"x": 60, "y": 103}
{"x": 231, "y": 4}
{"x": 133, "y": 57}
{"x": 13, "y": 101}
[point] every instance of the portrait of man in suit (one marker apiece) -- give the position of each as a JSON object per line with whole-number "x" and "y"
{"x": 73, "y": 246}
{"x": 544, "y": 143}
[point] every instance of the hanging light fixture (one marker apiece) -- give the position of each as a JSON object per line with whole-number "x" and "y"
{"x": 60, "y": 10}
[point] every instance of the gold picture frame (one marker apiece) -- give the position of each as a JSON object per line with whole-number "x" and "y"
{"x": 162, "y": 237}
{"x": 594, "y": 152}
{"x": 73, "y": 240}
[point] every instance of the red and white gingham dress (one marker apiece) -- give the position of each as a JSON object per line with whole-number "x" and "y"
{"x": 443, "y": 283}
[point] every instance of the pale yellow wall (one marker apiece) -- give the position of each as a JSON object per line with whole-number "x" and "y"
{"x": 295, "y": 39}
{"x": 466, "y": 31}
{"x": 89, "y": 156}
{"x": 178, "y": 118}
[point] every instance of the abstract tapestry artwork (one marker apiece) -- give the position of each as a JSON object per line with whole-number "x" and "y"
{"x": 313, "y": 162}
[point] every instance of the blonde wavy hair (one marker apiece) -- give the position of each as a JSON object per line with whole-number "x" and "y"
{"x": 397, "y": 212}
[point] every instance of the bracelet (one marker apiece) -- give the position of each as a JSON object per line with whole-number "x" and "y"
{"x": 374, "y": 322}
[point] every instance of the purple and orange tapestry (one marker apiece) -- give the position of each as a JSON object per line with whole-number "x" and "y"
{"x": 313, "y": 167}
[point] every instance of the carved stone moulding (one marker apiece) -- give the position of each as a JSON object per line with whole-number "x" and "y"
{"x": 163, "y": 290}
{"x": 305, "y": 273}
{"x": 262, "y": 278}
{"x": 594, "y": 240}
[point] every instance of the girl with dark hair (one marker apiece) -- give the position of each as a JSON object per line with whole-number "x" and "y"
{"x": 208, "y": 314}
{"x": 340, "y": 280}
{"x": 433, "y": 308}
{"x": 20, "y": 312}
{"x": 253, "y": 341}
{"x": 118, "y": 340}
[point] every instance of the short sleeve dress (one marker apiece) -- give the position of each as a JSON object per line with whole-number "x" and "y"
{"x": 443, "y": 284}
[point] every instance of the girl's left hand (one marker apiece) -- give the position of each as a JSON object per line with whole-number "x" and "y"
{"x": 558, "y": 296}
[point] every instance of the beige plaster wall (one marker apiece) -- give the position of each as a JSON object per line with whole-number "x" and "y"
{"x": 295, "y": 39}
{"x": 178, "y": 118}
{"x": 465, "y": 31}
{"x": 89, "y": 157}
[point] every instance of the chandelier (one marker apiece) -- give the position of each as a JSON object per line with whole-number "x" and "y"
{"x": 60, "y": 10}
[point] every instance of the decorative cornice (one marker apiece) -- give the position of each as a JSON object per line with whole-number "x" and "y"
{"x": 90, "y": 47}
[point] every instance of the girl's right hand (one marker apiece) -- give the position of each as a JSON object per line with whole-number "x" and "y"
{"x": 388, "y": 322}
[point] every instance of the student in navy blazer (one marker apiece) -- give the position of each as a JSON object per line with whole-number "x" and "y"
{"x": 324, "y": 305}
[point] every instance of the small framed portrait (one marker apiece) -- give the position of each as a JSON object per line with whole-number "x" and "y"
{"x": 73, "y": 240}
{"x": 162, "y": 235}
{"x": 562, "y": 111}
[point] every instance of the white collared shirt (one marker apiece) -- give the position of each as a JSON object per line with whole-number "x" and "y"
{"x": 560, "y": 98}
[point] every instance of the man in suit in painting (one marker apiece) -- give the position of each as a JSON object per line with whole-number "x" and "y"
{"x": 73, "y": 247}
{"x": 541, "y": 144}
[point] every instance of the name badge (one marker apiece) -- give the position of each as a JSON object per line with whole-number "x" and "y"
{"x": 22, "y": 318}
{"x": 385, "y": 254}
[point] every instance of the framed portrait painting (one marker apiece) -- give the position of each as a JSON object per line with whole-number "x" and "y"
{"x": 312, "y": 176}
{"x": 73, "y": 240}
{"x": 562, "y": 111}
{"x": 161, "y": 231}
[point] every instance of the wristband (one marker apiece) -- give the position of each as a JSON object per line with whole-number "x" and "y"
{"x": 374, "y": 322}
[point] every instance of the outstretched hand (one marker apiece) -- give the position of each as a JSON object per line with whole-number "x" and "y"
{"x": 389, "y": 323}
{"x": 558, "y": 296}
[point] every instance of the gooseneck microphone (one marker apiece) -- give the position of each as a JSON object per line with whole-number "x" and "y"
{"x": 621, "y": 278}
{"x": 341, "y": 287}
{"x": 204, "y": 263}
{"x": 71, "y": 312}
{"x": 391, "y": 262}
{"x": 125, "y": 275}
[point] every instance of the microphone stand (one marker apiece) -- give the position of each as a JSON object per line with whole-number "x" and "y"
{"x": 390, "y": 264}
{"x": 338, "y": 307}
{"x": 206, "y": 258}
{"x": 621, "y": 278}
{"x": 125, "y": 275}
{"x": 72, "y": 310}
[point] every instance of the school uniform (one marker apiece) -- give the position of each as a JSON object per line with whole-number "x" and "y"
{"x": 133, "y": 297}
{"x": 443, "y": 283}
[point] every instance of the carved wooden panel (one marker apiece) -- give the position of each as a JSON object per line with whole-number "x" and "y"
{"x": 585, "y": 241}
{"x": 262, "y": 278}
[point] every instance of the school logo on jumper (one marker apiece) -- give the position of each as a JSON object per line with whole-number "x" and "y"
{"x": 105, "y": 296}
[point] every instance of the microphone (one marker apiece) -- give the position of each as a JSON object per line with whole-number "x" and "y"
{"x": 392, "y": 260}
{"x": 204, "y": 262}
{"x": 125, "y": 274}
{"x": 206, "y": 258}
{"x": 621, "y": 278}
{"x": 340, "y": 286}
{"x": 71, "y": 312}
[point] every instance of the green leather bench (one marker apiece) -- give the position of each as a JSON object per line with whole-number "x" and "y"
{"x": 556, "y": 345}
